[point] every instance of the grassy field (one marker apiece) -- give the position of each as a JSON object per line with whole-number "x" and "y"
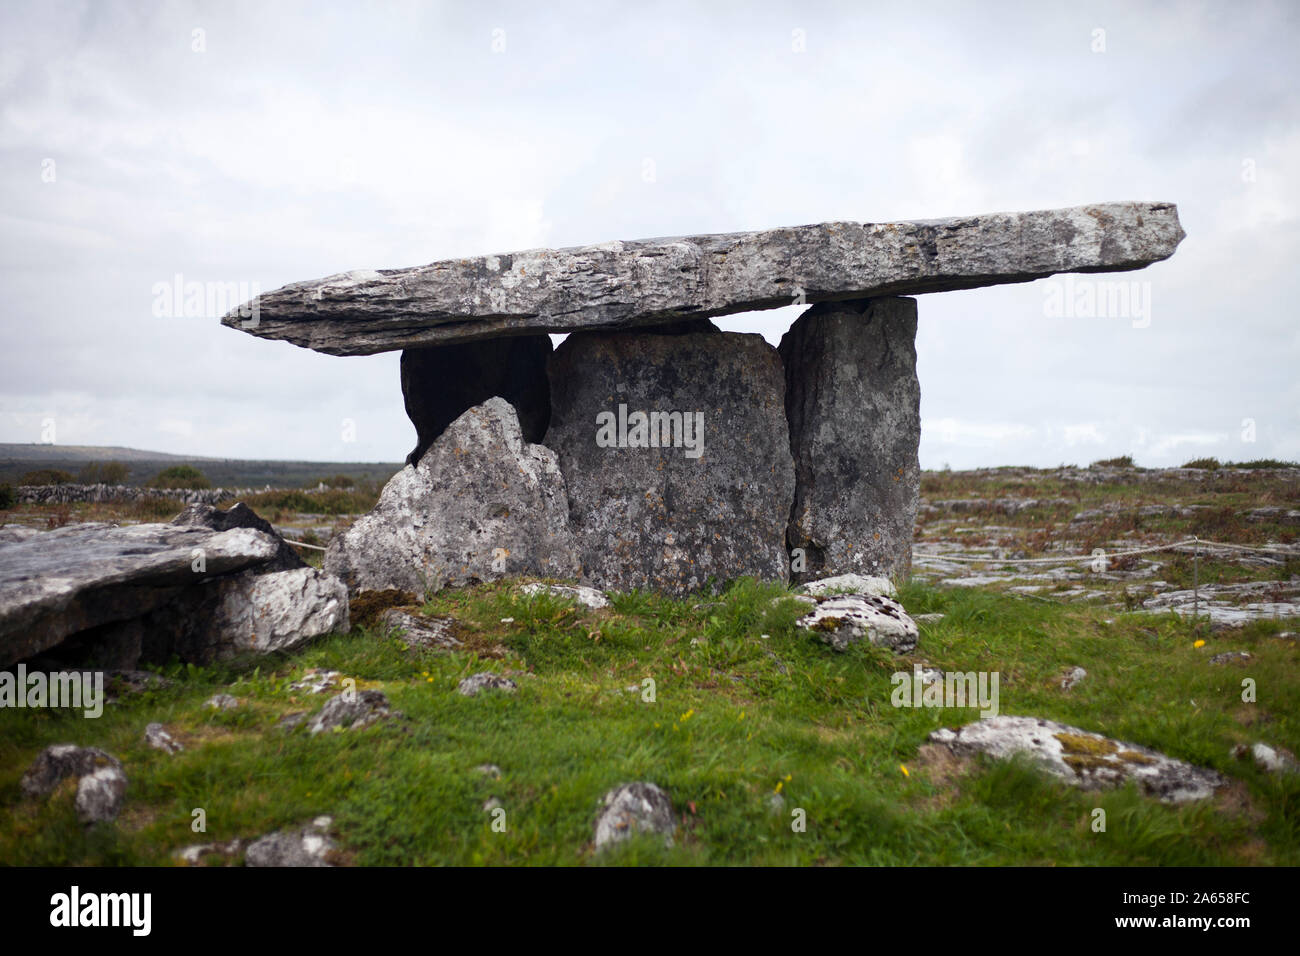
{"x": 746, "y": 706}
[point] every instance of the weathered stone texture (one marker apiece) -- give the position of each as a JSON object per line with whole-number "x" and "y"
{"x": 854, "y": 407}
{"x": 672, "y": 518}
{"x": 618, "y": 285}
{"x": 481, "y": 504}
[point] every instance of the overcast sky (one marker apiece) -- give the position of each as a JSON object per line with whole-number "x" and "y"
{"x": 286, "y": 142}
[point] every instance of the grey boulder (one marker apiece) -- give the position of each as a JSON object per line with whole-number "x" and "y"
{"x": 635, "y": 808}
{"x": 351, "y": 710}
{"x": 57, "y": 762}
{"x": 157, "y": 737}
{"x": 1082, "y": 758}
{"x": 676, "y": 456}
{"x": 308, "y": 845}
{"x": 481, "y": 504}
{"x": 474, "y": 684}
{"x": 100, "y": 795}
{"x": 849, "y": 619}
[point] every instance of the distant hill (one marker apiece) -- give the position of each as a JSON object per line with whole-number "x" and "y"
{"x": 18, "y": 459}
{"x": 10, "y": 451}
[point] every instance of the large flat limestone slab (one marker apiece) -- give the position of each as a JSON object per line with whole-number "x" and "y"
{"x": 60, "y": 582}
{"x": 618, "y": 285}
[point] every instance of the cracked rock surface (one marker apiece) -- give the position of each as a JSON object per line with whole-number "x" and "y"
{"x": 1082, "y": 758}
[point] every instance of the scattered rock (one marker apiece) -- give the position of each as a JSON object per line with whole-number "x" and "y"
{"x": 852, "y": 584}
{"x": 844, "y": 621}
{"x": 635, "y": 808}
{"x": 489, "y": 770}
{"x": 929, "y": 618}
{"x": 157, "y": 737}
{"x": 854, "y": 406}
{"x": 222, "y": 702}
{"x": 350, "y": 711}
{"x": 118, "y": 683}
{"x": 367, "y": 608}
{"x": 928, "y": 675}
{"x": 486, "y": 680}
{"x": 193, "y": 855}
{"x": 56, "y": 763}
{"x": 100, "y": 795}
{"x": 239, "y": 515}
{"x": 420, "y": 631}
{"x": 276, "y": 612}
{"x": 1269, "y": 759}
{"x": 481, "y": 504}
{"x": 676, "y": 455}
{"x": 316, "y": 681}
{"x": 1230, "y": 605}
{"x": 1072, "y": 677}
{"x": 291, "y": 720}
{"x": 1274, "y": 514}
{"x": 309, "y": 845}
{"x": 1230, "y": 657}
{"x": 1082, "y": 758}
{"x": 587, "y": 597}
{"x": 490, "y": 804}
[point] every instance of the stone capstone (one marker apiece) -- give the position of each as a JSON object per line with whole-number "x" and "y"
{"x": 621, "y": 285}
{"x": 480, "y": 505}
{"x": 676, "y": 457}
{"x": 854, "y": 408}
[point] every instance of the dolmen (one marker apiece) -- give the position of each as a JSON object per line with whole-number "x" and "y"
{"x": 651, "y": 450}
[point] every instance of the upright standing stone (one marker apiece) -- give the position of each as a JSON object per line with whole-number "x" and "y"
{"x": 440, "y": 383}
{"x": 854, "y": 407}
{"x": 676, "y": 457}
{"x": 481, "y": 504}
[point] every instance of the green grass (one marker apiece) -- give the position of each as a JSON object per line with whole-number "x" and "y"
{"x": 735, "y": 716}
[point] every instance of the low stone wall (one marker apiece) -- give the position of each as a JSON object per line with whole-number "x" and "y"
{"x": 73, "y": 494}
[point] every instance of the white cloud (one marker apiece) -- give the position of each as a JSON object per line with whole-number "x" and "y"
{"x": 304, "y": 143}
